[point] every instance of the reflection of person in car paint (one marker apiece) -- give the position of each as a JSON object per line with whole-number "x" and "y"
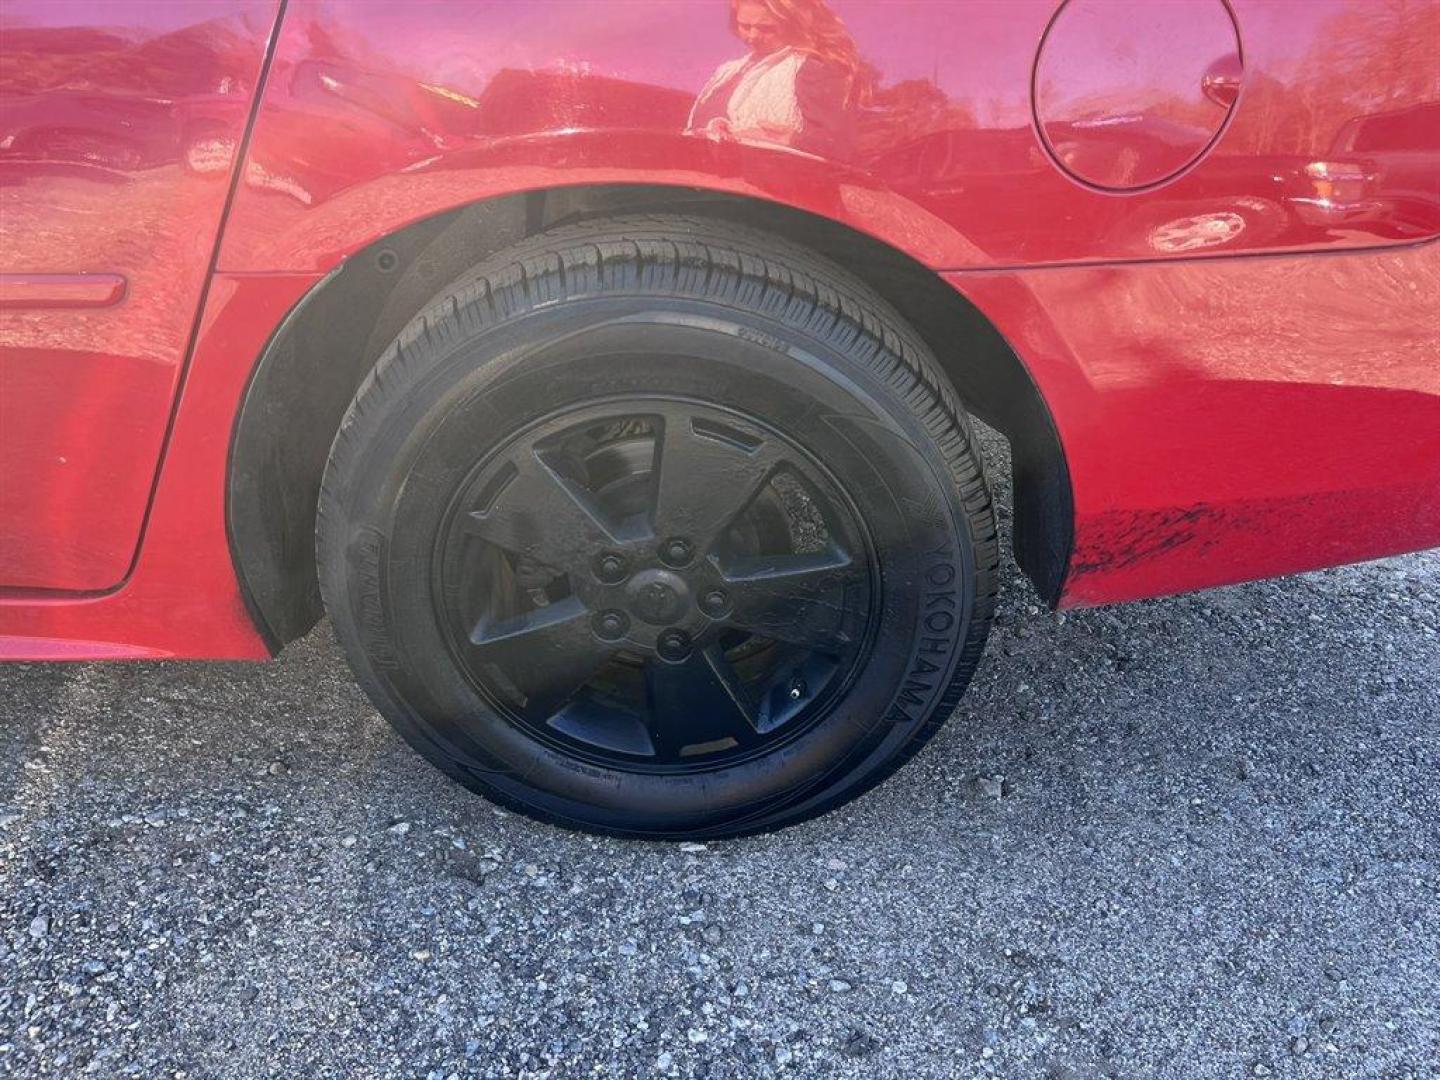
{"x": 799, "y": 85}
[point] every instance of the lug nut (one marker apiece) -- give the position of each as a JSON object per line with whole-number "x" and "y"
{"x": 611, "y": 625}
{"x": 673, "y": 645}
{"x": 611, "y": 568}
{"x": 715, "y": 603}
{"x": 677, "y": 551}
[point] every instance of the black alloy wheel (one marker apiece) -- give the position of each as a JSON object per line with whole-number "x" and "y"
{"x": 696, "y": 592}
{"x": 658, "y": 527}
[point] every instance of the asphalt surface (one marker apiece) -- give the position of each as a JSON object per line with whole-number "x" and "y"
{"x": 1192, "y": 838}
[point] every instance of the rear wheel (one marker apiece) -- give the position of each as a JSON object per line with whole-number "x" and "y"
{"x": 659, "y": 527}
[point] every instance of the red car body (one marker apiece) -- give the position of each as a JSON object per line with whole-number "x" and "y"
{"x": 1197, "y": 238}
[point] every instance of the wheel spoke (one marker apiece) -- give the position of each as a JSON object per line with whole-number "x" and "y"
{"x": 547, "y": 654}
{"x": 543, "y": 516}
{"x": 804, "y": 600}
{"x": 704, "y": 481}
{"x": 697, "y": 702}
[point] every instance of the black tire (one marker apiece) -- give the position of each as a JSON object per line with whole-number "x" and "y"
{"x": 745, "y": 639}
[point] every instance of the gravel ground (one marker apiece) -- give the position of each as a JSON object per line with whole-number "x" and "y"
{"x": 1193, "y": 838}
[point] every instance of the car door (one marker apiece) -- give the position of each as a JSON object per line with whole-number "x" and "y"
{"x": 120, "y": 126}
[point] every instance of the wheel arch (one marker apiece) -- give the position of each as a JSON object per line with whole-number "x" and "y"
{"x": 309, "y": 371}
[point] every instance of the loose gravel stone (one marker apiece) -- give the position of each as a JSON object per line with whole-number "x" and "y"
{"x": 859, "y": 1044}
{"x": 991, "y": 787}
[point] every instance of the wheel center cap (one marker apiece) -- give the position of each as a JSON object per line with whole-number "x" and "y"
{"x": 658, "y": 597}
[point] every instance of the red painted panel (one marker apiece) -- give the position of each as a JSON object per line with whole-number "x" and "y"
{"x": 181, "y": 599}
{"x": 1236, "y": 418}
{"x": 60, "y": 290}
{"x": 118, "y": 127}
{"x": 921, "y": 131}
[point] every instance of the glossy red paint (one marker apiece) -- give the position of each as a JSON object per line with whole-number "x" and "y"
{"x": 118, "y": 129}
{"x": 378, "y": 115}
{"x": 60, "y": 290}
{"x": 1228, "y": 419}
{"x": 1222, "y": 417}
{"x": 1157, "y": 57}
{"x": 181, "y": 599}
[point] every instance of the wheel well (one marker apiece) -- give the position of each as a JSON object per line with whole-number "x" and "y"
{"x": 310, "y": 370}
